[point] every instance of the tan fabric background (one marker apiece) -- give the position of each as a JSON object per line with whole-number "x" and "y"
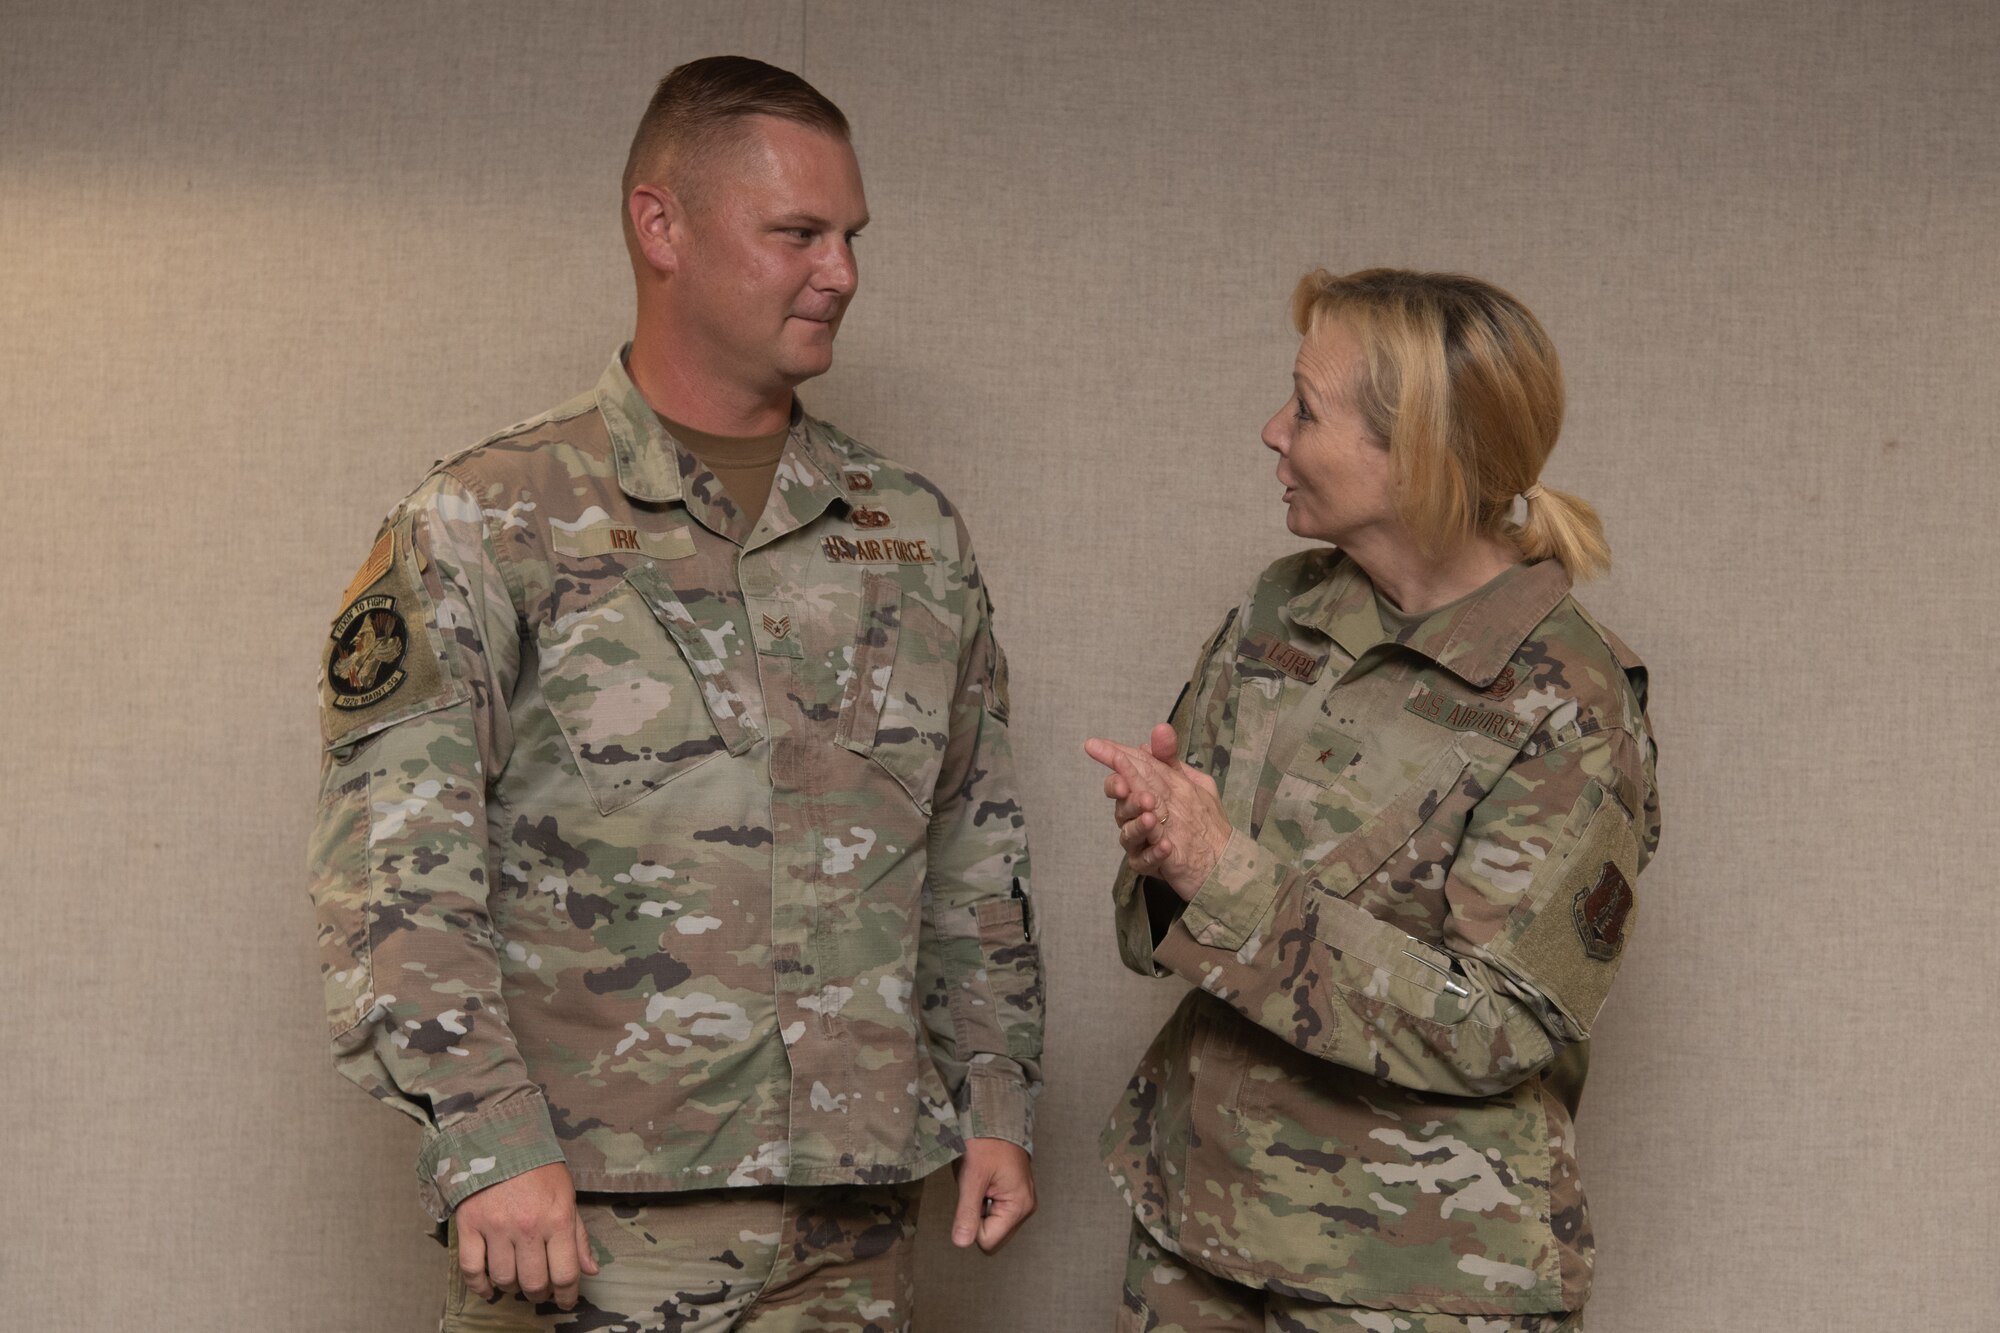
{"x": 261, "y": 263}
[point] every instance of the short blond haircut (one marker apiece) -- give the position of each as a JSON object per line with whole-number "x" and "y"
{"x": 696, "y": 115}
{"x": 1463, "y": 387}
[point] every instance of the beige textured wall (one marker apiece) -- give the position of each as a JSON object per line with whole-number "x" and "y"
{"x": 260, "y": 263}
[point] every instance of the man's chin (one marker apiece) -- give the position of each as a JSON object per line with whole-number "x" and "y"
{"x": 807, "y": 362}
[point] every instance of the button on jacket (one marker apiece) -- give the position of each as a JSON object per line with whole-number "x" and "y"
{"x": 1400, "y": 954}
{"x": 686, "y": 852}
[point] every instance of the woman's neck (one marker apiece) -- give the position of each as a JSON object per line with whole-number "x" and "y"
{"x": 1418, "y": 583}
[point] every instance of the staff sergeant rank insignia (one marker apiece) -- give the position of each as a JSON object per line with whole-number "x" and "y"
{"x": 366, "y": 665}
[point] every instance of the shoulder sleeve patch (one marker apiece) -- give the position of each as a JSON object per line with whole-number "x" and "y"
{"x": 382, "y": 660}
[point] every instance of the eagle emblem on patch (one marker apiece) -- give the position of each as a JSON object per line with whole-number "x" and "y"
{"x": 859, "y": 481}
{"x": 366, "y": 664}
{"x": 869, "y": 518}
{"x": 1602, "y": 910}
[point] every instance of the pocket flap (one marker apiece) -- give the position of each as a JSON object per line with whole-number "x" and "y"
{"x": 722, "y": 658}
{"x": 1358, "y": 855}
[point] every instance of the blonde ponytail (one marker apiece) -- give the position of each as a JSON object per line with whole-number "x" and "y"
{"x": 1564, "y": 526}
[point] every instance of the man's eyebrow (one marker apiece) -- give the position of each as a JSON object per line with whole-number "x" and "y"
{"x": 816, "y": 222}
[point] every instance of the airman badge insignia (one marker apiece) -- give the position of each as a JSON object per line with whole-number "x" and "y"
{"x": 859, "y": 481}
{"x": 865, "y": 517}
{"x": 369, "y": 642}
{"x": 1602, "y": 909}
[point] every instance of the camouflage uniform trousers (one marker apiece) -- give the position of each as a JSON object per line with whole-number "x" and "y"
{"x": 769, "y": 1259}
{"x": 1165, "y": 1294}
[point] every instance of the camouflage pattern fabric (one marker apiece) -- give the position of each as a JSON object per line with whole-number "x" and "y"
{"x": 1368, "y": 1097}
{"x": 1163, "y": 1294}
{"x": 685, "y": 851}
{"x": 771, "y": 1259}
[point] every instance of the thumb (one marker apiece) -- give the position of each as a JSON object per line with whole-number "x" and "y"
{"x": 584, "y": 1258}
{"x": 1165, "y": 745}
{"x": 971, "y": 1203}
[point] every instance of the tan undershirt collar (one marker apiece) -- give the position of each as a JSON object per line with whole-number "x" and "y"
{"x": 744, "y": 464}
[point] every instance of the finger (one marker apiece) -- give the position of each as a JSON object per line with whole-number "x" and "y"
{"x": 532, "y": 1268}
{"x": 563, "y": 1268}
{"x": 1166, "y": 746}
{"x": 472, "y": 1263}
{"x": 1135, "y": 836}
{"x": 1103, "y": 751}
{"x": 1127, "y": 811}
{"x": 500, "y": 1266}
{"x": 999, "y": 1224}
{"x": 1114, "y": 787}
{"x": 1121, "y": 758}
{"x": 971, "y": 1196}
{"x": 583, "y": 1251}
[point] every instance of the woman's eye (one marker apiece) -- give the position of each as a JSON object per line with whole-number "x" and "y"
{"x": 1303, "y": 413}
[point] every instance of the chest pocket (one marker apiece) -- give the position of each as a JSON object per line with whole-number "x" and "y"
{"x": 1372, "y": 832}
{"x": 641, "y": 692}
{"x": 897, "y": 708}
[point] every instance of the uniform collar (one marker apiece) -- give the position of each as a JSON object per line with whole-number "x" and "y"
{"x": 1472, "y": 639}
{"x": 655, "y": 469}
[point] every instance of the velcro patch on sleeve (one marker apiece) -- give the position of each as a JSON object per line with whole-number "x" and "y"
{"x": 1570, "y": 950}
{"x": 381, "y": 659}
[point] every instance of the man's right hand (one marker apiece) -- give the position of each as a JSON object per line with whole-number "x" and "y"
{"x": 524, "y": 1235}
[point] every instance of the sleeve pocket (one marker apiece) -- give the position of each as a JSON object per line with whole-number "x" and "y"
{"x": 1569, "y": 939}
{"x": 898, "y": 712}
{"x": 338, "y": 855}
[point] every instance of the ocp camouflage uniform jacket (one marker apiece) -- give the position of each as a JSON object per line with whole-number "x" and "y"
{"x": 686, "y": 853}
{"x": 1400, "y": 954}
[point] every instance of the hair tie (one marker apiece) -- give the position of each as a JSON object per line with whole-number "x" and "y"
{"x": 1533, "y": 493}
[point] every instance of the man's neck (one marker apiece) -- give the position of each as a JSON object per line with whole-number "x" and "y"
{"x": 681, "y": 387}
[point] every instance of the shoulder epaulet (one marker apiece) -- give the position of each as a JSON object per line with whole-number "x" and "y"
{"x": 1628, "y": 661}
{"x": 575, "y": 407}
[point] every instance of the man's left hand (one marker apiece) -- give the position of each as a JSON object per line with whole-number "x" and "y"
{"x": 996, "y": 1193}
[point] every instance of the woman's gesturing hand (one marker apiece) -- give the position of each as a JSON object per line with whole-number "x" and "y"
{"x": 1170, "y": 819}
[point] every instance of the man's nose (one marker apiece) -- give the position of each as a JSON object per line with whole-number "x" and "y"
{"x": 838, "y": 273}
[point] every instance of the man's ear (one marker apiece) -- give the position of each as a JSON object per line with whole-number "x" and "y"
{"x": 658, "y": 225}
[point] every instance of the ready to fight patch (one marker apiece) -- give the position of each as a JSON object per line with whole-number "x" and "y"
{"x": 369, "y": 643}
{"x": 1602, "y": 909}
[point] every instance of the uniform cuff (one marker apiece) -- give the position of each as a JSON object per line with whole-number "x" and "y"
{"x": 1237, "y": 894}
{"x": 999, "y": 1105}
{"x": 483, "y": 1149}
